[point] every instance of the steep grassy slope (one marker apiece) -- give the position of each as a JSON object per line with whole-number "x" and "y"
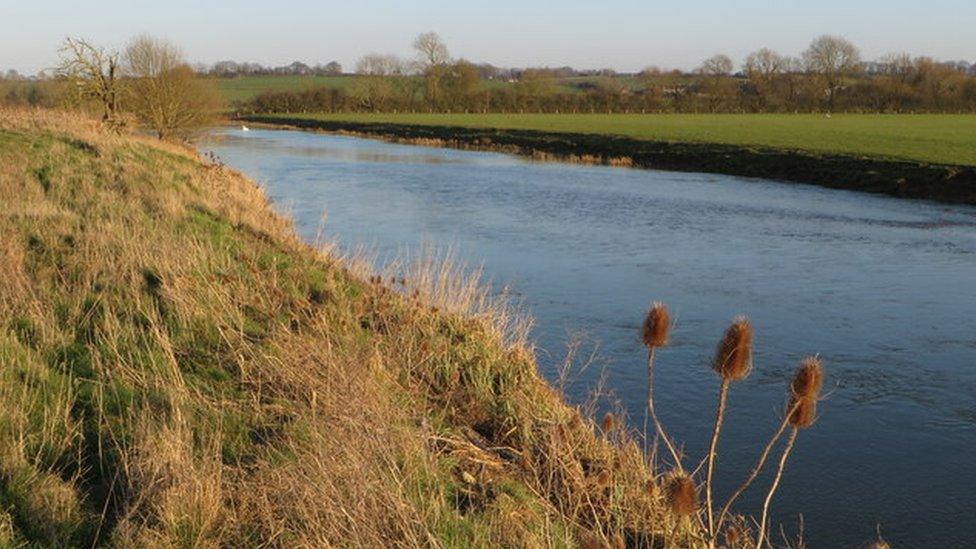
{"x": 177, "y": 369}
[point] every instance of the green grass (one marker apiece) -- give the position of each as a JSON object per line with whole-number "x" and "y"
{"x": 178, "y": 370}
{"x": 943, "y": 139}
{"x": 242, "y": 89}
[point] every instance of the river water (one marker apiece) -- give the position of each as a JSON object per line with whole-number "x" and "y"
{"x": 883, "y": 289}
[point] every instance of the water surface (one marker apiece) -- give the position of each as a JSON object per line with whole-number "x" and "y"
{"x": 881, "y": 288}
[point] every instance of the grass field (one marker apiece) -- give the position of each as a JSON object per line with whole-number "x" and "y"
{"x": 242, "y": 89}
{"x": 942, "y": 139}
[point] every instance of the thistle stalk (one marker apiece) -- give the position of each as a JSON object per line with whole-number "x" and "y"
{"x": 732, "y": 362}
{"x": 654, "y": 335}
{"x": 804, "y": 393}
{"x": 772, "y": 489}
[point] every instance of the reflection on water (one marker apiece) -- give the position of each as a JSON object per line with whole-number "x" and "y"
{"x": 881, "y": 288}
{"x": 343, "y": 152}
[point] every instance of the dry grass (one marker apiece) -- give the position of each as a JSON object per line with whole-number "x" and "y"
{"x": 179, "y": 370}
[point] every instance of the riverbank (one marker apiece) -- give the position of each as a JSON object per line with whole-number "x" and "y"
{"x": 952, "y": 183}
{"x": 181, "y": 370}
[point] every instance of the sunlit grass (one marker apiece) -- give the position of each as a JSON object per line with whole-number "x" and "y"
{"x": 945, "y": 139}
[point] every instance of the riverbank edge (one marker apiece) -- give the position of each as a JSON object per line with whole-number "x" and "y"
{"x": 902, "y": 179}
{"x": 244, "y": 369}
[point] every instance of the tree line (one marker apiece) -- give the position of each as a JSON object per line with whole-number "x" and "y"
{"x": 148, "y": 82}
{"x": 233, "y": 69}
{"x": 829, "y": 76}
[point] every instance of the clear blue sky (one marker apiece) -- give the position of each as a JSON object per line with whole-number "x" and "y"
{"x": 622, "y": 34}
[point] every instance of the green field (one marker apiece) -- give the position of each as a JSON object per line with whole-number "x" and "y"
{"x": 244, "y": 88}
{"x": 943, "y": 139}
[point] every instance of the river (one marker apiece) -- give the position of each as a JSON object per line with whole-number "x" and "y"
{"x": 882, "y": 289}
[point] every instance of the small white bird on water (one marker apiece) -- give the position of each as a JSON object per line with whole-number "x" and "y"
{"x": 245, "y": 129}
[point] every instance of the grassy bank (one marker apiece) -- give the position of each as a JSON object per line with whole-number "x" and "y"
{"x": 179, "y": 370}
{"x": 917, "y": 156}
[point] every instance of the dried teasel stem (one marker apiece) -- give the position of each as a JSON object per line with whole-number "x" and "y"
{"x": 806, "y": 382}
{"x": 723, "y": 395}
{"x": 756, "y": 469}
{"x": 654, "y": 334}
{"x": 733, "y": 361}
{"x": 772, "y": 488}
{"x": 804, "y": 393}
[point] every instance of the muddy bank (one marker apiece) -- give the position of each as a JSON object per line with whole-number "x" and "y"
{"x": 904, "y": 179}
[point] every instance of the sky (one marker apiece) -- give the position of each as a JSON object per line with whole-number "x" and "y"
{"x": 626, "y": 35}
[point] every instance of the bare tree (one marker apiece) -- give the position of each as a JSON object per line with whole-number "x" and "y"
{"x": 898, "y": 65}
{"x": 763, "y": 67}
{"x": 764, "y": 64}
{"x": 431, "y": 50}
{"x": 716, "y": 65}
{"x": 94, "y": 73}
{"x": 716, "y": 87}
{"x": 376, "y": 64}
{"x": 833, "y": 58}
{"x": 164, "y": 92}
{"x": 433, "y": 58}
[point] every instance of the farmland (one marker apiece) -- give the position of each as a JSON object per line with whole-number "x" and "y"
{"x": 942, "y": 139}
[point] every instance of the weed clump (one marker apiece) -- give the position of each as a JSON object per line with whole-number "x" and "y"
{"x": 732, "y": 363}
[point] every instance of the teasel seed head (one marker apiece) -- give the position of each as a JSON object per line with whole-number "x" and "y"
{"x": 733, "y": 359}
{"x": 804, "y": 392}
{"x": 804, "y": 412}
{"x": 732, "y": 536}
{"x": 656, "y": 326}
{"x": 682, "y": 495}
{"x": 808, "y": 378}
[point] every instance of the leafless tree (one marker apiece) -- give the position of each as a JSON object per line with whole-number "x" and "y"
{"x": 898, "y": 65}
{"x": 764, "y": 64}
{"x": 94, "y": 72}
{"x": 833, "y": 58}
{"x": 433, "y": 58}
{"x": 164, "y": 92}
{"x": 716, "y": 65}
{"x": 763, "y": 67}
{"x": 376, "y": 64}
{"x": 431, "y": 50}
